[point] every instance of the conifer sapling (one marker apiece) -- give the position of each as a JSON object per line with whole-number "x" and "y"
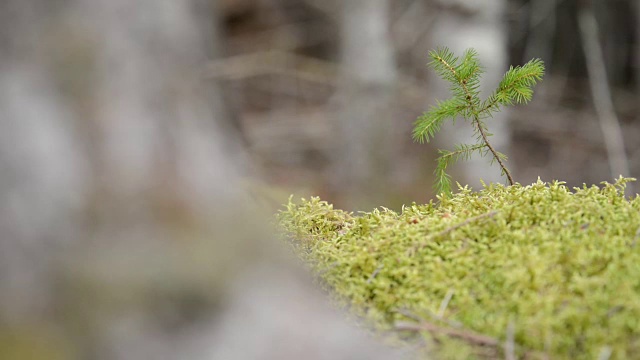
{"x": 464, "y": 76}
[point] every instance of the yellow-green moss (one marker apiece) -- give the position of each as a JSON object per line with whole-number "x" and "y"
{"x": 562, "y": 266}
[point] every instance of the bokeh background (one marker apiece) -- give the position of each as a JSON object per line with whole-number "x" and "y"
{"x": 325, "y": 92}
{"x": 145, "y": 145}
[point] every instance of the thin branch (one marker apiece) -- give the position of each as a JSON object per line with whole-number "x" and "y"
{"x": 448, "y": 66}
{"x": 605, "y": 353}
{"x": 409, "y": 314}
{"x": 601, "y": 93}
{"x": 473, "y": 338}
{"x": 375, "y": 273}
{"x": 456, "y": 153}
{"x": 466, "y": 335}
{"x": 451, "y": 323}
{"x": 445, "y": 303}
{"x": 510, "y": 342}
{"x": 494, "y": 102}
{"x": 493, "y": 151}
{"x": 306, "y": 68}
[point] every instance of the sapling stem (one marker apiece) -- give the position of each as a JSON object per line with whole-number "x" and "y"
{"x": 493, "y": 151}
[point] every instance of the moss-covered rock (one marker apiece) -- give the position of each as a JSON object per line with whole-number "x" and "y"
{"x": 551, "y": 271}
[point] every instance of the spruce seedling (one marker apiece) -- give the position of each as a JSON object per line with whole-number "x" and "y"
{"x": 464, "y": 76}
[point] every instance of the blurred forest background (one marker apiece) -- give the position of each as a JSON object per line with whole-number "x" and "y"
{"x": 138, "y": 136}
{"x": 324, "y": 93}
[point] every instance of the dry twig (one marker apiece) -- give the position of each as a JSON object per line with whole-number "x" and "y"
{"x": 466, "y": 335}
{"x": 445, "y": 303}
{"x": 374, "y": 274}
{"x": 510, "y": 342}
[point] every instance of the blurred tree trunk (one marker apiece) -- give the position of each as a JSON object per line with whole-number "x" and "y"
{"x": 463, "y": 24}
{"x": 109, "y": 145}
{"x": 123, "y": 218}
{"x": 364, "y": 139}
{"x": 636, "y": 54}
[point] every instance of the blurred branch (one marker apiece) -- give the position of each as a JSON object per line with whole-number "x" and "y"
{"x": 466, "y": 8}
{"x": 301, "y": 67}
{"x": 465, "y": 335}
{"x": 328, "y": 7}
{"x": 601, "y": 92}
{"x": 272, "y": 62}
{"x": 510, "y": 343}
{"x": 284, "y": 36}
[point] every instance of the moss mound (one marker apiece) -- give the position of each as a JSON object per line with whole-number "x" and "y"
{"x": 536, "y": 271}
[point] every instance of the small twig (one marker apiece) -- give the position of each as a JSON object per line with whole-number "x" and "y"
{"x": 471, "y": 337}
{"x": 445, "y": 303}
{"x": 305, "y": 68}
{"x": 605, "y": 353}
{"x": 374, "y": 274}
{"x": 435, "y": 317}
{"x": 510, "y": 342}
{"x": 548, "y": 340}
{"x": 409, "y": 314}
{"x": 455, "y": 330}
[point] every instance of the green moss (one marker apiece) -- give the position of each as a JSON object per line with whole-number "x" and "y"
{"x": 561, "y": 266}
